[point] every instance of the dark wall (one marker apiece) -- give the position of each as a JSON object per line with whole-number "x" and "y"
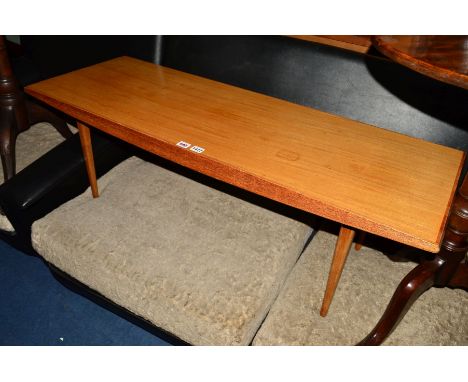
{"x": 367, "y": 88}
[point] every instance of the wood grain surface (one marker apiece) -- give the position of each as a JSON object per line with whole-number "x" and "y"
{"x": 356, "y": 174}
{"x": 86, "y": 145}
{"x": 444, "y": 58}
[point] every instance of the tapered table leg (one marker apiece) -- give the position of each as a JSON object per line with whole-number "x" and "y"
{"x": 343, "y": 245}
{"x": 85, "y": 138}
{"x": 360, "y": 239}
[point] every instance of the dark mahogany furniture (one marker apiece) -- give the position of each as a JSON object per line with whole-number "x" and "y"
{"x": 444, "y": 58}
{"x": 17, "y": 114}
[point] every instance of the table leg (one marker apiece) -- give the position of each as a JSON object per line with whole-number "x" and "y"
{"x": 85, "y": 138}
{"x": 17, "y": 114}
{"x": 410, "y": 288}
{"x": 360, "y": 239}
{"x": 343, "y": 245}
{"x": 13, "y": 116}
{"x": 446, "y": 269}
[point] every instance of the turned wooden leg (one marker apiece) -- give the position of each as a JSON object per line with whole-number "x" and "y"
{"x": 8, "y": 156}
{"x": 38, "y": 113}
{"x": 360, "y": 239}
{"x": 7, "y": 143}
{"x": 13, "y": 115}
{"x": 85, "y": 138}
{"x": 343, "y": 245}
{"x": 446, "y": 269}
{"x": 17, "y": 114}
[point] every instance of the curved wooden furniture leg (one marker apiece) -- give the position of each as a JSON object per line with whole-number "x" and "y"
{"x": 13, "y": 114}
{"x": 343, "y": 245}
{"x": 413, "y": 285}
{"x": 446, "y": 269}
{"x": 7, "y": 143}
{"x": 17, "y": 114}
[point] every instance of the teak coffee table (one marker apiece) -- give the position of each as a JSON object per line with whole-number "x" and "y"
{"x": 361, "y": 176}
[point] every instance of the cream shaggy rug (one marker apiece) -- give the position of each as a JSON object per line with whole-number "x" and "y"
{"x": 195, "y": 261}
{"x": 439, "y": 317}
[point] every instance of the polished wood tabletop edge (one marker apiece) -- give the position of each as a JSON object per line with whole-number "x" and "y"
{"x": 237, "y": 177}
{"x": 420, "y": 65}
{"x": 359, "y": 44}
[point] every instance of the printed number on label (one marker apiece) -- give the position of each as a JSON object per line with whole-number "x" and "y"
{"x": 183, "y": 144}
{"x": 197, "y": 149}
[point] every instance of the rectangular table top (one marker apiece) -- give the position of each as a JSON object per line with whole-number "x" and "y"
{"x": 369, "y": 178}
